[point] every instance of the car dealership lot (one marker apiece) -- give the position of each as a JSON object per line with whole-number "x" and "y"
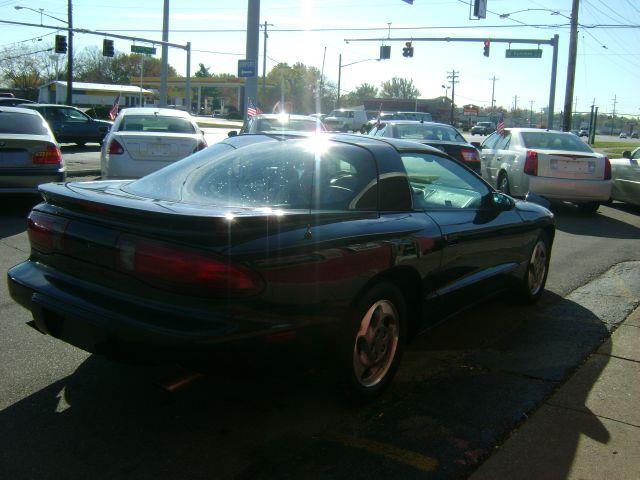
{"x": 461, "y": 388}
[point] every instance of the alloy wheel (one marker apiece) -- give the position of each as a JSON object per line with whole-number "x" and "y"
{"x": 376, "y": 343}
{"x": 537, "y": 267}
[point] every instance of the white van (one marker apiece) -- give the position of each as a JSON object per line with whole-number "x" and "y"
{"x": 346, "y": 119}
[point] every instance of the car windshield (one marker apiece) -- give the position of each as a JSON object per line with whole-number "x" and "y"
{"x": 554, "y": 141}
{"x": 155, "y": 123}
{"x": 484, "y": 124}
{"x": 289, "y": 124}
{"x": 274, "y": 174}
{"x": 339, "y": 113}
{"x": 22, "y": 123}
{"x": 421, "y": 131}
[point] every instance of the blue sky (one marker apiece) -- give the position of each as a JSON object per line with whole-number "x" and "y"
{"x": 601, "y": 73}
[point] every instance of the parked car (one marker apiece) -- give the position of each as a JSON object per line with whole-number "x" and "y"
{"x": 144, "y": 140}
{"x": 29, "y": 154}
{"x": 343, "y": 245}
{"x": 382, "y": 117}
{"x": 281, "y": 122}
{"x": 443, "y": 137}
{"x": 555, "y": 165}
{"x": 70, "y": 124}
{"x": 12, "y": 101}
{"x": 583, "y": 132}
{"x": 623, "y": 135}
{"x": 419, "y": 116}
{"x": 346, "y": 119}
{"x": 483, "y": 128}
{"x": 634, "y": 135}
{"x": 625, "y": 174}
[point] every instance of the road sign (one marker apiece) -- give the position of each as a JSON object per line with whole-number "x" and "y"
{"x": 142, "y": 49}
{"x": 524, "y": 53}
{"x": 247, "y": 68}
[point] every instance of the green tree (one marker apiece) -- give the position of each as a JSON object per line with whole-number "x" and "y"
{"x": 123, "y": 69}
{"x": 401, "y": 88}
{"x": 362, "y": 92}
{"x": 203, "y": 72}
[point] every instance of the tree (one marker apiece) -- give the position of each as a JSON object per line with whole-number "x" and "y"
{"x": 25, "y": 68}
{"x": 362, "y": 92}
{"x": 401, "y": 88}
{"x": 203, "y": 72}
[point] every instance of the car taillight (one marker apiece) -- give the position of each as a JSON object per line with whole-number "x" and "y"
{"x": 607, "y": 168}
{"x": 202, "y": 144}
{"x": 46, "y": 232}
{"x": 531, "y": 163}
{"x": 50, "y": 156}
{"x": 182, "y": 270}
{"x": 115, "y": 148}
{"x": 470, "y": 155}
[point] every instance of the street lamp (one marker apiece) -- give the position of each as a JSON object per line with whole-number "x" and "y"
{"x": 446, "y": 91}
{"x": 553, "y": 12}
{"x": 41, "y": 12}
{"x": 341, "y": 66}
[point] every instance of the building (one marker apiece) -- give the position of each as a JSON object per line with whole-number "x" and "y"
{"x": 94, "y": 94}
{"x": 439, "y": 107}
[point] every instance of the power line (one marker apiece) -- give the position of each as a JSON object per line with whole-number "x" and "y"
{"x": 27, "y": 54}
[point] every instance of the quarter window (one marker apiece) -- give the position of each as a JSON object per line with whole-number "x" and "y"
{"x": 439, "y": 183}
{"x": 503, "y": 142}
{"x": 491, "y": 140}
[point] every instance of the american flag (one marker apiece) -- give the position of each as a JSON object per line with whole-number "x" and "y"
{"x": 252, "y": 108}
{"x": 113, "y": 113}
{"x": 500, "y": 126}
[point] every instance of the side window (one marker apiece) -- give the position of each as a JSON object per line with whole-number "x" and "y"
{"x": 439, "y": 183}
{"x": 503, "y": 142}
{"x": 74, "y": 116}
{"x": 490, "y": 142}
{"x": 373, "y": 131}
{"x": 381, "y": 130}
{"x": 636, "y": 155}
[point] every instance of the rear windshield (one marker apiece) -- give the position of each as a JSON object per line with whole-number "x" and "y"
{"x": 554, "y": 141}
{"x": 275, "y": 174}
{"x": 155, "y": 123}
{"x": 22, "y": 123}
{"x": 421, "y": 131}
{"x": 292, "y": 125}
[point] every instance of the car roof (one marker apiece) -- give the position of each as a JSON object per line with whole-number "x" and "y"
{"x": 352, "y": 139}
{"x": 290, "y": 116}
{"x": 18, "y": 110}
{"x": 415, "y": 122}
{"x": 165, "y": 112}
{"x": 536, "y": 130}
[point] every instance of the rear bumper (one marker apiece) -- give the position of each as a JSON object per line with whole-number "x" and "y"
{"x": 28, "y": 181}
{"x": 122, "y": 167}
{"x": 100, "y": 321}
{"x": 571, "y": 190}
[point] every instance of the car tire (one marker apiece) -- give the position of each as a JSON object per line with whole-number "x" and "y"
{"x": 531, "y": 287}
{"x": 376, "y": 327}
{"x": 503, "y": 183}
{"x": 589, "y": 208}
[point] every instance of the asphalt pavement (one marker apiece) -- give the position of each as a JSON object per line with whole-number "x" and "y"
{"x": 462, "y": 390}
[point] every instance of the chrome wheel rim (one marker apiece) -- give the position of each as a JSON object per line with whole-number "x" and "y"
{"x": 504, "y": 185}
{"x": 376, "y": 343}
{"x": 537, "y": 267}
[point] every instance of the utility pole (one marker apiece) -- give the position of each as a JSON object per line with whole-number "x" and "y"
{"x": 453, "y": 79}
{"x": 493, "y": 96}
{"x": 339, "y": 78}
{"x": 531, "y": 102}
{"x": 575, "y": 109}
{"x": 69, "y": 54}
{"x": 264, "y": 60}
{"x": 320, "y": 94}
{"x": 252, "y": 52}
{"x": 164, "y": 67}
{"x": 571, "y": 66}
{"x": 613, "y": 113}
{"x": 515, "y": 103}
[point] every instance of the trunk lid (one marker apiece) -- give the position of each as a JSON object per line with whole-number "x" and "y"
{"x": 570, "y": 165}
{"x": 157, "y": 146}
{"x": 455, "y": 150}
{"x": 18, "y": 150}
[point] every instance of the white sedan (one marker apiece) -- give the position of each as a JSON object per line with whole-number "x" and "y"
{"x": 556, "y": 165}
{"x": 143, "y": 140}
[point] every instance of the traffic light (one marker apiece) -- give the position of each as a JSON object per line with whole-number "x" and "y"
{"x": 107, "y": 48}
{"x": 61, "y": 44}
{"x": 487, "y": 44}
{"x": 385, "y": 52}
{"x": 407, "y": 51}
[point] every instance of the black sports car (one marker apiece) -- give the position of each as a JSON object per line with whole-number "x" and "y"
{"x": 343, "y": 244}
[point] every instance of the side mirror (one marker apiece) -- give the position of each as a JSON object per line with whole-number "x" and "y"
{"x": 232, "y": 133}
{"x": 502, "y": 202}
{"x": 476, "y": 144}
{"x": 626, "y": 154}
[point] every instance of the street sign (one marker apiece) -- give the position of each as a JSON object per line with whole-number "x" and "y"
{"x": 247, "y": 68}
{"x": 524, "y": 53}
{"x": 142, "y": 49}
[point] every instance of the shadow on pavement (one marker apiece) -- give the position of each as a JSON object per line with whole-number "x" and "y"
{"x": 14, "y": 213}
{"x": 625, "y": 207}
{"x": 462, "y": 388}
{"x": 569, "y": 220}
{"x": 73, "y": 148}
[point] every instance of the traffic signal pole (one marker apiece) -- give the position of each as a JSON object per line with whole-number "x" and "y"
{"x": 253, "y": 41}
{"x": 531, "y": 41}
{"x": 70, "y": 54}
{"x": 571, "y": 66}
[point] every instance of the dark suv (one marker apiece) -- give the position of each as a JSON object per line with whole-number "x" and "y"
{"x": 483, "y": 128}
{"x": 71, "y": 125}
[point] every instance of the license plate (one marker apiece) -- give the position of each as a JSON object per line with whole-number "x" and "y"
{"x": 159, "y": 149}
{"x": 573, "y": 166}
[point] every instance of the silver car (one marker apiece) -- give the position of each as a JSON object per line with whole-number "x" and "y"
{"x": 556, "y": 165}
{"x": 143, "y": 140}
{"x": 626, "y": 177}
{"x": 29, "y": 153}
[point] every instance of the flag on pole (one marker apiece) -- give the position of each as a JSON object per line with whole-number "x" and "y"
{"x": 113, "y": 113}
{"x": 252, "y": 108}
{"x": 500, "y": 126}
